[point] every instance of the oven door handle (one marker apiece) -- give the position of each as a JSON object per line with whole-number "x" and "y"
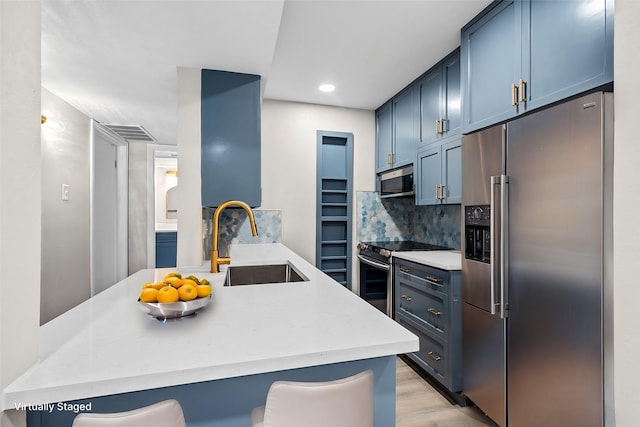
{"x": 373, "y": 263}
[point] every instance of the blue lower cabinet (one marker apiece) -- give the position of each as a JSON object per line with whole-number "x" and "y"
{"x": 166, "y": 249}
{"x": 228, "y": 402}
{"x": 428, "y": 302}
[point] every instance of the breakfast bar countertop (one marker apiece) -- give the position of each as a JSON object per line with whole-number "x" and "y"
{"x": 108, "y": 345}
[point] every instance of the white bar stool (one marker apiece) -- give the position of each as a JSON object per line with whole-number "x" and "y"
{"x": 167, "y": 413}
{"x": 346, "y": 402}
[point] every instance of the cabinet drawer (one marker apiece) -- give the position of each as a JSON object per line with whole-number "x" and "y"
{"x": 430, "y": 278}
{"x": 433, "y": 354}
{"x": 425, "y": 306}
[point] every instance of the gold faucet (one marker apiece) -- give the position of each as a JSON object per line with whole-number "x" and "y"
{"x": 216, "y": 260}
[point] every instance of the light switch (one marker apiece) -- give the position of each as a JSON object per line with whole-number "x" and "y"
{"x": 65, "y": 192}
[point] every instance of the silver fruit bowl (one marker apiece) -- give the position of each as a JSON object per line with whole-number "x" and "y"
{"x": 174, "y": 310}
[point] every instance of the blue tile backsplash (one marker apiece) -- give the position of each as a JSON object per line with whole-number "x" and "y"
{"x": 235, "y": 228}
{"x": 400, "y": 219}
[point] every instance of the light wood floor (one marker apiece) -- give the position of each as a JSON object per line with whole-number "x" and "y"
{"x": 420, "y": 405}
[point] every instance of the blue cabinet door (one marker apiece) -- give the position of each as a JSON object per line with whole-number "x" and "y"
{"x": 490, "y": 64}
{"x": 430, "y": 87}
{"x": 452, "y": 171}
{"x": 440, "y": 100}
{"x": 384, "y": 137}
{"x": 405, "y": 126}
{"x": 428, "y": 174}
{"x": 166, "y": 249}
{"x": 230, "y": 146}
{"x": 451, "y": 94}
{"x": 570, "y": 45}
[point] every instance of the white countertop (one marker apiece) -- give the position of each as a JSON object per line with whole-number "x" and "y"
{"x": 108, "y": 345}
{"x": 445, "y": 260}
{"x": 162, "y": 227}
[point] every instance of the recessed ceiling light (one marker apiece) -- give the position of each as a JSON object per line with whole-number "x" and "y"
{"x": 326, "y": 88}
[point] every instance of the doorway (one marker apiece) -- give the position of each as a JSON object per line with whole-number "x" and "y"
{"x": 109, "y": 209}
{"x": 162, "y": 223}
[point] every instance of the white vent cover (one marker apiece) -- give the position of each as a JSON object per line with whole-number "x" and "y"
{"x": 132, "y": 133}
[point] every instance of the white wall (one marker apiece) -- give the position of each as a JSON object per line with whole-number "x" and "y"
{"x": 20, "y": 189}
{"x": 138, "y": 212}
{"x": 66, "y": 231}
{"x": 163, "y": 183}
{"x": 189, "y": 193}
{"x": 626, "y": 208}
{"x": 289, "y": 151}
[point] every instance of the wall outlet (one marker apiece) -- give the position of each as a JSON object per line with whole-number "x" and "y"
{"x": 66, "y": 191}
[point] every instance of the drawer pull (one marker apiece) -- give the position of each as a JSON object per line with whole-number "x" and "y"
{"x": 434, "y": 356}
{"x": 434, "y": 312}
{"x": 406, "y": 298}
{"x": 433, "y": 279}
{"x": 405, "y": 269}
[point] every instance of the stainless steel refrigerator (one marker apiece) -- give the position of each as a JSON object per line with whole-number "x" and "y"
{"x": 536, "y": 268}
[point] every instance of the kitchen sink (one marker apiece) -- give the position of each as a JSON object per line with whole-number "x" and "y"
{"x": 262, "y": 274}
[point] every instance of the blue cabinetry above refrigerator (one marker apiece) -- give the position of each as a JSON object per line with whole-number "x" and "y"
{"x": 524, "y": 54}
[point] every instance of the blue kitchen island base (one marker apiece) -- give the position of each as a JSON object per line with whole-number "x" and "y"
{"x": 228, "y": 402}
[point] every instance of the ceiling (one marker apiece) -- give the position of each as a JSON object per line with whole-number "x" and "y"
{"x": 116, "y": 60}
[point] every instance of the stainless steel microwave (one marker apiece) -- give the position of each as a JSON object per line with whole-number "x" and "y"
{"x": 397, "y": 183}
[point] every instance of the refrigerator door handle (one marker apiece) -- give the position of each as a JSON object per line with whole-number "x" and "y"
{"x": 504, "y": 246}
{"x": 495, "y": 259}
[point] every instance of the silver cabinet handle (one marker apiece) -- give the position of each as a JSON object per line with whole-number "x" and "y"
{"x": 434, "y": 356}
{"x": 433, "y": 279}
{"x": 373, "y": 263}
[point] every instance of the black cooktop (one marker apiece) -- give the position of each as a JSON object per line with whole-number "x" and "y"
{"x": 406, "y": 245}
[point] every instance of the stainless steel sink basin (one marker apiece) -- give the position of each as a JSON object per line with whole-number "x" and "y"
{"x": 262, "y": 274}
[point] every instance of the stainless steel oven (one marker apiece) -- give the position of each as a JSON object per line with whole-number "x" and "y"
{"x": 376, "y": 270}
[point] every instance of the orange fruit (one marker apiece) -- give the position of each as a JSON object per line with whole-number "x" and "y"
{"x": 192, "y": 277}
{"x": 187, "y": 292}
{"x": 147, "y": 285}
{"x": 159, "y": 285}
{"x": 176, "y": 282}
{"x": 189, "y": 282}
{"x": 168, "y": 294}
{"x": 149, "y": 295}
{"x": 173, "y": 274}
{"x": 203, "y": 291}
{"x": 204, "y": 282}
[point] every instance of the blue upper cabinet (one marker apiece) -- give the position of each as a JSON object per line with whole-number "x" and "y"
{"x": 397, "y": 130}
{"x": 525, "y": 54}
{"x": 230, "y": 146}
{"x": 570, "y": 46}
{"x": 405, "y": 126}
{"x": 440, "y": 100}
{"x": 428, "y": 176}
{"x": 439, "y": 173}
{"x": 384, "y": 137}
{"x": 490, "y": 63}
{"x": 431, "y": 106}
